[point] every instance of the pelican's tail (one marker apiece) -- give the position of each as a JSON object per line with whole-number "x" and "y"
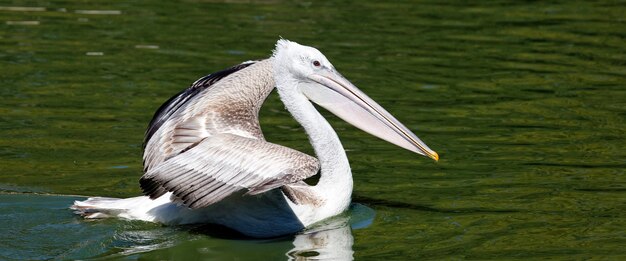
{"x": 161, "y": 210}
{"x": 129, "y": 208}
{"x": 100, "y": 207}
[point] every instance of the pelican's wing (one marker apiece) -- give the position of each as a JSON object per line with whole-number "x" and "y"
{"x": 181, "y": 120}
{"x": 181, "y": 99}
{"x": 220, "y": 165}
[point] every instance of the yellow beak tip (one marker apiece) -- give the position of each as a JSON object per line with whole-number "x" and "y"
{"x": 435, "y": 156}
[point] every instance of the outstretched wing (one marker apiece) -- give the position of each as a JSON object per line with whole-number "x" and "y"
{"x": 177, "y": 124}
{"x": 181, "y": 99}
{"x": 220, "y": 165}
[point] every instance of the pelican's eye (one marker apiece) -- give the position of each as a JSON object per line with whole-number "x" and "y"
{"x": 316, "y": 63}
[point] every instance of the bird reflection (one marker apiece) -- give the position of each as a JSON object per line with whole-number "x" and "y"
{"x": 331, "y": 239}
{"x": 328, "y": 240}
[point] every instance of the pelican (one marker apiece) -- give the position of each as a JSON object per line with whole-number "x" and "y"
{"x": 206, "y": 160}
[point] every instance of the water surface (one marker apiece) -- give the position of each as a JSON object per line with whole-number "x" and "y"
{"x": 524, "y": 101}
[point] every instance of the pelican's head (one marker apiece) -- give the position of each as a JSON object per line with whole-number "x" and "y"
{"x": 303, "y": 69}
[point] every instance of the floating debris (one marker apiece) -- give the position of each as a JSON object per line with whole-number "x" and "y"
{"x": 95, "y": 53}
{"x": 99, "y": 12}
{"x": 146, "y": 46}
{"x": 22, "y": 9}
{"x": 429, "y": 86}
{"x": 23, "y": 22}
{"x": 235, "y": 52}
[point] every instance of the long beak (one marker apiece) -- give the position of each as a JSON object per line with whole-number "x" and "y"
{"x": 349, "y": 103}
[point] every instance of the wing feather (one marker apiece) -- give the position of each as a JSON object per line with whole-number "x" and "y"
{"x": 181, "y": 122}
{"x": 223, "y": 164}
{"x": 180, "y": 100}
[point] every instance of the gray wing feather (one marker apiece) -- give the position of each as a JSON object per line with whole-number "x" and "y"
{"x": 206, "y": 108}
{"x": 221, "y": 165}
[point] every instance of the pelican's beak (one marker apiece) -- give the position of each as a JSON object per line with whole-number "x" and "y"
{"x": 345, "y": 100}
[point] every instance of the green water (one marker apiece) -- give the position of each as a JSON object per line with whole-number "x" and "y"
{"x": 524, "y": 101}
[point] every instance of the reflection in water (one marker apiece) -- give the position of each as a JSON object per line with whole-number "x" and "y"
{"x": 22, "y": 22}
{"x": 331, "y": 240}
{"x": 146, "y": 46}
{"x": 24, "y": 218}
{"x": 145, "y": 240}
{"x": 99, "y": 12}
{"x": 22, "y": 8}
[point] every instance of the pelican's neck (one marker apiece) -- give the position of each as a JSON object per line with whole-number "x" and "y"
{"x": 335, "y": 183}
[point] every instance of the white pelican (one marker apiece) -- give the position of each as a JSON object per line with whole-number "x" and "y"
{"x": 206, "y": 160}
